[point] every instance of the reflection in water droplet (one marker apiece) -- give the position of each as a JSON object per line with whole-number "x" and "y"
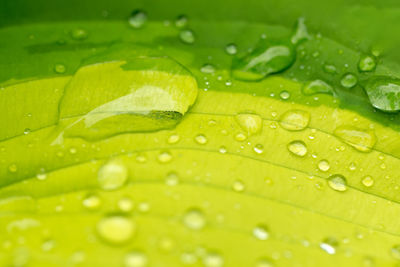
{"x": 194, "y": 219}
{"x": 368, "y": 181}
{"x": 250, "y": 123}
{"x": 366, "y": 63}
{"x": 348, "y": 80}
{"x": 187, "y": 36}
{"x": 231, "y": 49}
{"x": 112, "y": 175}
{"x": 317, "y": 87}
{"x": 261, "y": 232}
{"x": 337, "y": 182}
{"x": 295, "y": 120}
{"x": 329, "y": 245}
{"x": 323, "y": 165}
{"x": 135, "y": 259}
{"x": 298, "y": 148}
{"x": 207, "y": 68}
{"x": 116, "y": 229}
{"x": 137, "y": 19}
{"x": 362, "y": 140}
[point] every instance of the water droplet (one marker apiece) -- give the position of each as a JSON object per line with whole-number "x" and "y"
{"x": 48, "y": 245}
{"x": 166, "y": 244}
{"x": 264, "y": 263}
{"x": 329, "y": 68}
{"x": 284, "y": 95}
{"x": 269, "y": 56}
{"x": 240, "y": 137}
{"x": 301, "y": 32}
{"x": 164, "y": 157}
{"x": 261, "y": 232}
{"x": 41, "y": 176}
{"x": 194, "y": 219}
{"x": 362, "y": 140}
{"x": 173, "y": 139}
{"x": 395, "y": 251}
{"x": 91, "y": 202}
{"x": 201, "y": 139}
{"x": 238, "y": 186}
{"x": 384, "y": 93}
{"x": 187, "y": 36}
{"x": 172, "y": 179}
{"x": 317, "y": 87}
{"x": 298, "y": 148}
{"x": 116, "y": 229}
{"x": 79, "y": 34}
{"x": 125, "y": 204}
{"x": 213, "y": 260}
{"x": 135, "y": 259}
{"x": 13, "y": 167}
{"x": 250, "y": 123}
{"x": 231, "y": 49}
{"x": 295, "y": 120}
{"x": 329, "y": 245}
{"x": 222, "y": 150}
{"x": 323, "y": 165}
{"x": 112, "y": 175}
{"x": 366, "y": 63}
{"x": 258, "y": 148}
{"x": 348, "y": 80}
{"x": 181, "y": 21}
{"x": 141, "y": 158}
{"x": 367, "y": 181}
{"x": 207, "y": 68}
{"x": 337, "y": 182}
{"x": 137, "y": 19}
{"x": 60, "y": 68}
{"x": 143, "y": 207}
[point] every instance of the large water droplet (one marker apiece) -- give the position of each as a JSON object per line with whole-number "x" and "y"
{"x": 187, "y": 36}
{"x": 337, "y": 182}
{"x": 250, "y": 123}
{"x": 137, "y": 19}
{"x": 384, "y": 93}
{"x": 116, "y": 229}
{"x": 194, "y": 219}
{"x": 295, "y": 120}
{"x": 362, "y": 140}
{"x": 112, "y": 175}
{"x": 298, "y": 148}
{"x": 348, "y": 80}
{"x": 269, "y": 56}
{"x": 366, "y": 63}
{"x": 317, "y": 87}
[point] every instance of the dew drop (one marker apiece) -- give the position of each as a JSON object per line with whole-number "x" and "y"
{"x": 135, "y": 259}
{"x": 349, "y": 80}
{"x": 112, "y": 175}
{"x": 366, "y": 63}
{"x": 125, "y": 204}
{"x": 187, "y": 36}
{"x": 294, "y": 120}
{"x": 213, "y": 260}
{"x": 91, "y": 202}
{"x": 201, "y": 139}
{"x": 317, "y": 87}
{"x": 329, "y": 245}
{"x": 172, "y": 179}
{"x": 60, "y": 68}
{"x": 337, "y": 182}
{"x": 231, "y": 49}
{"x": 329, "y": 68}
{"x": 298, "y": 148}
{"x": 367, "y": 181}
{"x": 13, "y": 168}
{"x": 164, "y": 157}
{"x": 264, "y": 263}
{"x": 116, "y": 229}
{"x": 181, "y": 21}
{"x": 194, "y": 219}
{"x": 238, "y": 186}
{"x": 258, "y": 148}
{"x": 79, "y": 34}
{"x": 173, "y": 139}
{"x": 240, "y": 137}
{"x": 261, "y": 232}
{"x": 207, "y": 68}
{"x": 284, "y": 95}
{"x": 362, "y": 140}
{"x": 395, "y": 251}
{"x": 323, "y": 165}
{"x": 137, "y": 19}
{"x": 250, "y": 123}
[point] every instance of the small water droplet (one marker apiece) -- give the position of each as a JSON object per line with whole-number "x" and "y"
{"x": 79, "y": 34}
{"x": 48, "y": 245}
{"x": 187, "y": 36}
{"x": 222, "y": 150}
{"x": 194, "y": 219}
{"x": 125, "y": 204}
{"x": 329, "y": 68}
{"x": 112, "y": 175}
{"x": 250, "y": 123}
{"x": 135, "y": 259}
{"x": 395, "y": 251}
{"x": 366, "y": 63}
{"x": 258, "y": 148}
{"x": 323, "y": 165}
{"x": 116, "y": 229}
{"x": 207, "y": 68}
{"x": 201, "y": 139}
{"x": 261, "y": 232}
{"x": 337, "y": 182}
{"x": 164, "y": 157}
{"x": 41, "y": 176}
{"x": 231, "y": 49}
{"x": 317, "y": 87}
{"x": 362, "y": 140}
{"x": 13, "y": 168}
{"x": 367, "y": 181}
{"x": 348, "y": 80}
{"x": 240, "y": 137}
{"x": 295, "y": 120}
{"x": 143, "y": 207}
{"x": 181, "y": 21}
{"x": 264, "y": 263}
{"x": 91, "y": 202}
{"x": 213, "y": 260}
{"x": 141, "y": 158}
{"x": 172, "y": 179}
{"x": 137, "y": 19}
{"x": 284, "y": 95}
{"x": 173, "y": 139}
{"x": 329, "y": 245}
{"x": 238, "y": 186}
{"x": 60, "y": 68}
{"x": 298, "y": 148}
